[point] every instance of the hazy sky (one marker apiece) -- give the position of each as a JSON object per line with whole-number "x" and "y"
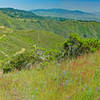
{"x": 85, "y": 5}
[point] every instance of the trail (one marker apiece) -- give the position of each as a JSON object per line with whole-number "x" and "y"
{"x": 4, "y": 53}
{"x": 20, "y": 52}
{"x": 1, "y": 50}
{"x": 3, "y": 36}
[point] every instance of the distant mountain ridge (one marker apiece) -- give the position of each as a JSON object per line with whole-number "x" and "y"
{"x": 60, "y": 11}
{"x": 55, "y": 14}
{"x": 68, "y": 14}
{"x": 97, "y": 13}
{"x": 16, "y": 13}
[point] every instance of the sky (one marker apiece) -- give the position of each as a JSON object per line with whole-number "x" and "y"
{"x": 84, "y": 5}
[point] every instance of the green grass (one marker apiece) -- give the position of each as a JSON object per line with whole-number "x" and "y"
{"x": 15, "y": 41}
{"x": 77, "y": 79}
{"x": 62, "y": 28}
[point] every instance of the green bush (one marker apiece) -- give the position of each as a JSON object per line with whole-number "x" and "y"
{"x": 76, "y": 45}
{"x": 16, "y": 62}
{"x": 36, "y": 56}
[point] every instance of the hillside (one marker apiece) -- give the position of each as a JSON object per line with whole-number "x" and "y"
{"x": 68, "y": 14}
{"x": 21, "y": 32}
{"x": 71, "y": 80}
{"x": 62, "y": 28}
{"x": 39, "y": 62}
{"x": 15, "y": 41}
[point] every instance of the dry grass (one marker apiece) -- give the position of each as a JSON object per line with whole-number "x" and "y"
{"x": 77, "y": 79}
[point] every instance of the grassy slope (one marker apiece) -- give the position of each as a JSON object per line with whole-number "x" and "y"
{"x": 15, "y": 41}
{"x": 12, "y": 41}
{"x": 63, "y": 28}
{"x": 71, "y": 80}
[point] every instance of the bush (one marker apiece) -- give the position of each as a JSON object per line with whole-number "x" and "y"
{"x": 16, "y": 62}
{"x": 76, "y": 46}
{"x": 37, "y": 55}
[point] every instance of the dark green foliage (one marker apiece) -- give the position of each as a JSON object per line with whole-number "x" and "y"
{"x": 24, "y": 60}
{"x": 16, "y": 62}
{"x": 76, "y": 46}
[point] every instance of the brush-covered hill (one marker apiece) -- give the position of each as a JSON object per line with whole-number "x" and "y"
{"x": 24, "y": 14}
{"x": 17, "y": 41}
{"x": 19, "y": 21}
{"x": 62, "y": 28}
{"x": 77, "y": 79}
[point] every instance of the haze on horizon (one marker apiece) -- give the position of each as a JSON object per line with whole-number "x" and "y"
{"x": 84, "y": 5}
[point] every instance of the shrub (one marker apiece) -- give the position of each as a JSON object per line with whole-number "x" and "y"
{"x": 16, "y": 62}
{"x": 76, "y": 45}
{"x": 37, "y": 55}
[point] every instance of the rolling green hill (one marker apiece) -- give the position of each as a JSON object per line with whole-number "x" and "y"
{"x": 52, "y": 32}
{"x": 62, "y": 28}
{"x": 17, "y": 41}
